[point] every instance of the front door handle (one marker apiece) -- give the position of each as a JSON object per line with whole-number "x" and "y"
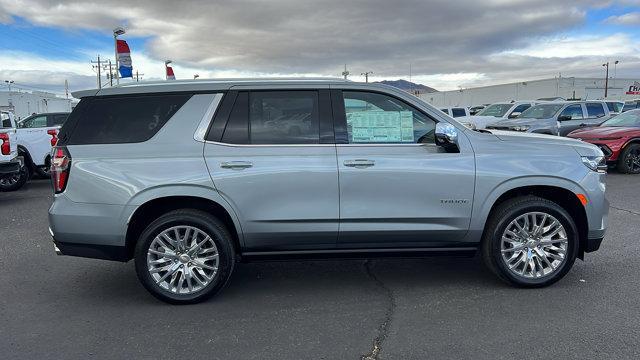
{"x": 359, "y": 163}
{"x": 236, "y": 165}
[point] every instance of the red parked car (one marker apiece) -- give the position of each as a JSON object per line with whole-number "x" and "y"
{"x": 619, "y": 139}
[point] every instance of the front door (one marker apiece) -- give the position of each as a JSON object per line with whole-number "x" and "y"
{"x": 397, "y": 188}
{"x": 274, "y": 164}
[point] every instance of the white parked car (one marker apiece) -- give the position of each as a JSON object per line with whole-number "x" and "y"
{"x": 36, "y": 135}
{"x": 12, "y": 172}
{"x": 456, "y": 111}
{"x": 495, "y": 112}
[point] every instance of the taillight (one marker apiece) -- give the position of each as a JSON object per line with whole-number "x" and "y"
{"x": 5, "y": 148}
{"x": 54, "y": 136}
{"x": 60, "y": 166}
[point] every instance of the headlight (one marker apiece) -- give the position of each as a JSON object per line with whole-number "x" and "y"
{"x": 595, "y": 163}
{"x": 521, "y": 128}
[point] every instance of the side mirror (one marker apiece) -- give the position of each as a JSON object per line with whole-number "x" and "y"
{"x": 564, "y": 117}
{"x": 447, "y": 136}
{"x": 514, "y": 114}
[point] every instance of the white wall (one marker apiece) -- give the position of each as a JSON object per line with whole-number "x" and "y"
{"x": 582, "y": 88}
{"x": 25, "y": 104}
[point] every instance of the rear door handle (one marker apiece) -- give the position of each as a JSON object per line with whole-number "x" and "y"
{"x": 359, "y": 163}
{"x": 236, "y": 165}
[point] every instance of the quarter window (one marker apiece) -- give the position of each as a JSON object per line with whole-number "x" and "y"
{"x": 575, "y": 111}
{"x": 458, "y": 112}
{"x": 377, "y": 118}
{"x": 595, "y": 110}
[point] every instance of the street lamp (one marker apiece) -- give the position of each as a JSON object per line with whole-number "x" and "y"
{"x": 9, "y": 98}
{"x": 117, "y": 32}
{"x": 615, "y": 72}
{"x": 366, "y": 75}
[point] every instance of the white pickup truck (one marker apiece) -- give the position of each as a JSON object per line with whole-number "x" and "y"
{"x": 12, "y": 171}
{"x": 36, "y": 135}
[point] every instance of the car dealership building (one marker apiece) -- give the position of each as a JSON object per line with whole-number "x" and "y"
{"x": 565, "y": 87}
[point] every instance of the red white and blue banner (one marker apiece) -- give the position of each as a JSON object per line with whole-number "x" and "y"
{"x": 170, "y": 75}
{"x": 124, "y": 59}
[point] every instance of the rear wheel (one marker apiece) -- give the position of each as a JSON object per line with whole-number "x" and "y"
{"x": 15, "y": 181}
{"x": 530, "y": 242}
{"x": 185, "y": 256}
{"x": 629, "y": 162}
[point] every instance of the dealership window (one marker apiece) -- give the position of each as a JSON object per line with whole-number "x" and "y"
{"x": 378, "y": 118}
{"x": 595, "y": 110}
{"x": 575, "y": 111}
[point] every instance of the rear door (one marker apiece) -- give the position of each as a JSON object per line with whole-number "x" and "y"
{"x": 596, "y": 114}
{"x": 271, "y": 154}
{"x": 397, "y": 188}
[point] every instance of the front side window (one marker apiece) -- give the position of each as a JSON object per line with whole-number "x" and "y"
{"x": 595, "y": 110}
{"x": 615, "y": 106}
{"x": 35, "y": 122}
{"x": 458, "y": 112}
{"x": 521, "y": 108}
{"x": 543, "y": 111}
{"x": 574, "y": 111}
{"x": 383, "y": 119}
{"x": 284, "y": 117}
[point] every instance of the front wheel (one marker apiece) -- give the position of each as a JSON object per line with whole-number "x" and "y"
{"x": 185, "y": 256}
{"x": 530, "y": 242}
{"x": 629, "y": 162}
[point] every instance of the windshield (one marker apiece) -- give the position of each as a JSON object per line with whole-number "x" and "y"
{"x": 543, "y": 111}
{"x": 629, "y": 118}
{"x": 497, "y": 110}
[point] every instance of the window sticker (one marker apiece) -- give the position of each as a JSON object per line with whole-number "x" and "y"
{"x": 381, "y": 126}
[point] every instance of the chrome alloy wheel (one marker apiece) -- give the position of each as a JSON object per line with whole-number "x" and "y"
{"x": 534, "y": 245}
{"x": 182, "y": 259}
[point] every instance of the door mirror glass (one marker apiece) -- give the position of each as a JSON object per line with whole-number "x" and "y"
{"x": 564, "y": 117}
{"x": 446, "y": 136}
{"x": 514, "y": 114}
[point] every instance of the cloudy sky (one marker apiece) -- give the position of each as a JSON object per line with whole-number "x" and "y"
{"x": 448, "y": 44}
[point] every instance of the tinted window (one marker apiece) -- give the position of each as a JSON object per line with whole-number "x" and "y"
{"x": 543, "y": 111}
{"x": 127, "y": 119}
{"x": 34, "y": 122}
{"x": 57, "y": 119}
{"x": 458, "y": 112}
{"x": 595, "y": 110}
{"x": 521, "y": 108}
{"x": 446, "y": 111}
{"x": 574, "y": 111}
{"x": 384, "y": 119}
{"x": 615, "y": 106}
{"x": 284, "y": 117}
{"x": 497, "y": 110}
{"x": 237, "y": 129}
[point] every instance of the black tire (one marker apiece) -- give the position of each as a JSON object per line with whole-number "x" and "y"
{"x": 498, "y": 221}
{"x": 43, "y": 171}
{"x": 204, "y": 222}
{"x": 14, "y": 182}
{"x": 626, "y": 163}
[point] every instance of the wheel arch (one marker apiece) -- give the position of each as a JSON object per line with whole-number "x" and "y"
{"x": 152, "y": 207}
{"x": 563, "y": 194}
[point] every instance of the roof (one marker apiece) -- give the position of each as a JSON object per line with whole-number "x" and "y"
{"x": 206, "y": 85}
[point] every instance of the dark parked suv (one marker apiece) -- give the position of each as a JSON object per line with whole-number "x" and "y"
{"x": 187, "y": 178}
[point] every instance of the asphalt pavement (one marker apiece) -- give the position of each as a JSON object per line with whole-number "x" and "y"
{"x": 58, "y": 307}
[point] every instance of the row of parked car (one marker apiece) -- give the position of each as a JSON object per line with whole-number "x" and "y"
{"x": 614, "y": 126}
{"x": 25, "y": 147}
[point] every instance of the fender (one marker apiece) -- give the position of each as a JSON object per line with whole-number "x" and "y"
{"x": 482, "y": 209}
{"x": 199, "y": 191}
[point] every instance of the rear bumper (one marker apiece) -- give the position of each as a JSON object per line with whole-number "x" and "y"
{"x": 10, "y": 167}
{"x": 104, "y": 252}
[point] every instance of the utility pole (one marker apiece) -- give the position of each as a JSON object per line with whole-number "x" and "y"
{"x": 345, "y": 73}
{"x": 138, "y": 76}
{"x": 98, "y": 66}
{"x": 366, "y": 75}
{"x": 606, "y": 80}
{"x": 409, "y": 72}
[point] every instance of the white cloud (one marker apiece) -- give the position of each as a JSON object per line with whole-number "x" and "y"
{"x": 568, "y": 47}
{"x": 632, "y": 19}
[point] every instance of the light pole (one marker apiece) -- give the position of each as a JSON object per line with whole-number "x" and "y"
{"x": 615, "y": 72}
{"x": 606, "y": 79}
{"x": 9, "y": 98}
{"x": 366, "y": 75}
{"x": 117, "y": 32}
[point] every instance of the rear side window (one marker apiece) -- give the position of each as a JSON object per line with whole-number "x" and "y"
{"x": 57, "y": 119}
{"x": 458, "y": 112}
{"x": 595, "y": 110}
{"x": 521, "y": 108}
{"x": 124, "y": 119}
{"x": 615, "y": 106}
{"x": 34, "y": 122}
{"x": 446, "y": 111}
{"x": 284, "y": 117}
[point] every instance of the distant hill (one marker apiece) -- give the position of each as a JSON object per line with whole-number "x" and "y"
{"x": 408, "y": 86}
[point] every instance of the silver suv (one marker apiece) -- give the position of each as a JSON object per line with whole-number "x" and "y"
{"x": 188, "y": 178}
